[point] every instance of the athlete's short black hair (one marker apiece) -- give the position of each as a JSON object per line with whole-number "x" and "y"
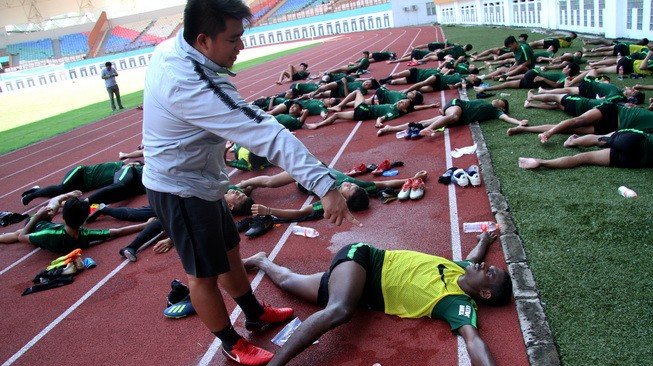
{"x": 637, "y": 98}
{"x": 555, "y": 48}
{"x": 643, "y": 42}
{"x": 209, "y": 17}
{"x": 419, "y": 97}
{"x": 336, "y": 101}
{"x": 506, "y": 106}
{"x": 468, "y": 47}
{"x": 500, "y": 294}
{"x": 509, "y": 40}
{"x": 366, "y": 53}
{"x": 574, "y": 68}
{"x": 75, "y": 212}
{"x": 524, "y": 36}
{"x": 475, "y": 82}
{"x": 358, "y": 201}
{"x": 244, "y": 209}
{"x": 573, "y": 35}
{"x": 304, "y": 64}
{"x": 375, "y": 84}
{"x": 473, "y": 69}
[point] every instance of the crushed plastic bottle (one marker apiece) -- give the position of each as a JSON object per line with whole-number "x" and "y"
{"x": 308, "y": 232}
{"x": 479, "y": 227}
{"x": 627, "y": 192}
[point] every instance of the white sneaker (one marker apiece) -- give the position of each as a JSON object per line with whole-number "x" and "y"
{"x": 460, "y": 177}
{"x": 404, "y": 194}
{"x": 473, "y": 175}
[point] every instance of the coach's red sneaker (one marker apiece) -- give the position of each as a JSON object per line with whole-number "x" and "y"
{"x": 246, "y": 353}
{"x": 271, "y": 315}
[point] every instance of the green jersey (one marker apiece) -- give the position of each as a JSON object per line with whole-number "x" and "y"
{"x": 363, "y": 63}
{"x": 387, "y": 96}
{"x": 547, "y": 54}
{"x": 303, "y": 88}
{"x": 340, "y": 75}
{"x": 445, "y": 80}
{"x": 300, "y": 75}
{"x": 313, "y": 106}
{"x": 590, "y": 88}
{"x": 576, "y": 105}
{"x": 366, "y": 111}
{"x": 635, "y": 118}
{"x": 53, "y": 237}
{"x": 438, "y": 45}
{"x": 476, "y": 111}
{"x": 340, "y": 177}
{"x": 351, "y": 86}
{"x": 95, "y": 176}
{"x": 419, "y": 54}
{"x": 557, "y": 76}
{"x": 289, "y": 122}
{"x": 524, "y": 54}
{"x": 456, "y": 51}
{"x": 462, "y": 68}
{"x": 423, "y": 74}
{"x": 247, "y": 160}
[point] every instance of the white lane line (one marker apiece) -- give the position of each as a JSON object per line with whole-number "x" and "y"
{"x": 19, "y": 261}
{"x": 456, "y": 247}
{"x": 61, "y": 317}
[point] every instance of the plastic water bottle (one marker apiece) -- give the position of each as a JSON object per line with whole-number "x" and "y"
{"x": 627, "y": 192}
{"x": 307, "y": 232}
{"x": 621, "y": 69}
{"x": 479, "y": 227}
{"x": 463, "y": 90}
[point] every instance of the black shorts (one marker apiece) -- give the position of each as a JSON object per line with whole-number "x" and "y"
{"x": 551, "y": 42}
{"x": 626, "y": 149}
{"x": 416, "y": 54}
{"x": 203, "y": 231}
{"x": 362, "y": 112}
{"x": 297, "y": 77}
{"x": 622, "y": 49}
{"x": 528, "y": 81}
{"x": 627, "y": 64}
{"x": 372, "y": 297}
{"x": 412, "y": 78}
{"x": 584, "y": 89}
{"x": 609, "y": 120}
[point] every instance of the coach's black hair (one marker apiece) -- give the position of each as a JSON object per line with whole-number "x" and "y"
{"x": 108, "y": 63}
{"x": 209, "y": 17}
{"x": 75, "y": 212}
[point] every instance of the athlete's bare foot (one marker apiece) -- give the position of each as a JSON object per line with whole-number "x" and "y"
{"x": 310, "y": 126}
{"x": 382, "y": 131}
{"x": 571, "y": 141}
{"x": 528, "y": 163}
{"x": 427, "y": 132}
{"x": 529, "y": 95}
{"x": 541, "y": 90}
{"x": 422, "y": 174}
{"x": 254, "y": 262}
{"x": 527, "y": 104}
{"x": 515, "y": 130}
{"x": 279, "y": 83}
{"x": 544, "y": 138}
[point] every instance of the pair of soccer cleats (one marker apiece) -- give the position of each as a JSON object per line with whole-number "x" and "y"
{"x": 462, "y": 177}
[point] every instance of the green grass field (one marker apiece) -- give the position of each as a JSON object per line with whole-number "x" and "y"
{"x": 583, "y": 240}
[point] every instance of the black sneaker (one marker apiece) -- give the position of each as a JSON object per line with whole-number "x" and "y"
{"x": 446, "y": 177}
{"x": 244, "y": 224}
{"x": 25, "y": 197}
{"x": 129, "y": 253}
{"x": 178, "y": 293}
{"x": 260, "y": 225}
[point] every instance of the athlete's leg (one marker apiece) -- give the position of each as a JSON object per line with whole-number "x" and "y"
{"x": 581, "y": 124}
{"x": 598, "y": 157}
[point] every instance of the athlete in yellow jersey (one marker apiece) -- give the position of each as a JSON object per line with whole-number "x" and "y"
{"x": 405, "y": 283}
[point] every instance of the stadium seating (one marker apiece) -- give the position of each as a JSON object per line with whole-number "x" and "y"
{"x": 291, "y": 6}
{"x": 162, "y": 28}
{"x": 121, "y": 38}
{"x": 32, "y": 50}
{"x": 74, "y": 44}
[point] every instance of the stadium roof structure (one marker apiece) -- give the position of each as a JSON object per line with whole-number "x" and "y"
{"x": 37, "y": 15}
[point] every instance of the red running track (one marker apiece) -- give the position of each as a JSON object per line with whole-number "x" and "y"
{"x": 113, "y": 314}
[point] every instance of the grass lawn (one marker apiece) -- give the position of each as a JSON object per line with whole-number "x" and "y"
{"x": 583, "y": 240}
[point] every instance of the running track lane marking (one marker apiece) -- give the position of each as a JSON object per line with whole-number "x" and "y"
{"x": 215, "y": 345}
{"x": 61, "y": 317}
{"x": 19, "y": 261}
{"x": 456, "y": 247}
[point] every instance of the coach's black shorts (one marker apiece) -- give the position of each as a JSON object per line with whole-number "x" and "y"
{"x": 203, "y": 231}
{"x": 361, "y": 253}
